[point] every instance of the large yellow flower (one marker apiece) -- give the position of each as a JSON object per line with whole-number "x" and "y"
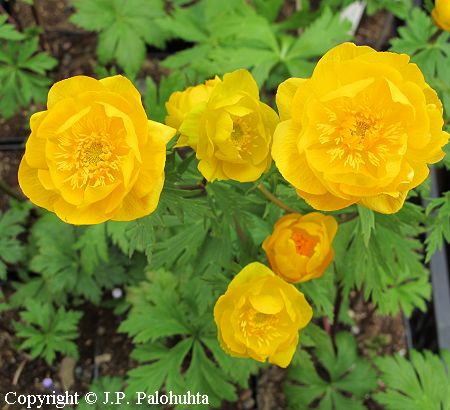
{"x": 93, "y": 155}
{"x": 260, "y": 315}
{"x": 441, "y": 14}
{"x": 299, "y": 248}
{"x": 361, "y": 130}
{"x": 227, "y": 125}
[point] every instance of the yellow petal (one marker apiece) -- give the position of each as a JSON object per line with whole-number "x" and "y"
{"x": 161, "y": 131}
{"x": 121, "y": 85}
{"x": 284, "y": 357}
{"x": 250, "y": 272}
{"x": 71, "y": 88}
{"x": 290, "y": 162}
{"x": 325, "y": 202}
{"x": 285, "y": 95}
{"x": 32, "y": 187}
{"x": 384, "y": 203}
{"x": 267, "y": 304}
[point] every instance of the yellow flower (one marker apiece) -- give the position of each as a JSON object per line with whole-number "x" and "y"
{"x": 182, "y": 102}
{"x": 228, "y": 126}
{"x": 93, "y": 155}
{"x": 299, "y": 248}
{"x": 361, "y": 130}
{"x": 441, "y": 14}
{"x": 260, "y": 315}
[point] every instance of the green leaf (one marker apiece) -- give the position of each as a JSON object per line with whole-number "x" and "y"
{"x": 93, "y": 247}
{"x": 7, "y": 31}
{"x": 23, "y": 75}
{"x": 438, "y": 221}
{"x": 48, "y": 331}
{"x": 163, "y": 367}
{"x": 391, "y": 266}
{"x": 423, "y": 383}
{"x": 68, "y": 263}
{"x": 325, "y": 32}
{"x": 322, "y": 293}
{"x": 348, "y": 378}
{"x": 125, "y": 27}
{"x": 269, "y": 9}
{"x": 367, "y": 221}
{"x": 11, "y": 249}
{"x": 157, "y": 95}
{"x": 399, "y": 8}
{"x": 205, "y": 377}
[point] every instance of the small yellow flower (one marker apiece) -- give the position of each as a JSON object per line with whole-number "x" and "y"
{"x": 361, "y": 130}
{"x": 441, "y": 14}
{"x": 227, "y": 125}
{"x": 182, "y": 102}
{"x": 299, "y": 248}
{"x": 260, "y": 315}
{"x": 93, "y": 155}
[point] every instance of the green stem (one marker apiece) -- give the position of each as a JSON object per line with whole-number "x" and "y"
{"x": 274, "y": 199}
{"x": 435, "y": 36}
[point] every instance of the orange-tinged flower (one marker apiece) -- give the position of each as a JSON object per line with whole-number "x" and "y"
{"x": 441, "y": 14}
{"x": 361, "y": 130}
{"x": 260, "y": 315}
{"x": 299, "y": 249}
{"x": 227, "y": 125}
{"x": 93, "y": 155}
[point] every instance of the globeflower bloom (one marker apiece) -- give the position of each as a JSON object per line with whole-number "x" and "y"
{"x": 93, "y": 155}
{"x": 361, "y": 130}
{"x": 227, "y": 125}
{"x": 441, "y": 14}
{"x": 260, "y": 315}
{"x": 182, "y": 102}
{"x": 299, "y": 249}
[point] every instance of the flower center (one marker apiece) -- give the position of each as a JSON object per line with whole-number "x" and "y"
{"x": 304, "y": 243}
{"x": 90, "y": 153}
{"x": 241, "y": 136}
{"x": 257, "y": 324}
{"x": 358, "y": 136}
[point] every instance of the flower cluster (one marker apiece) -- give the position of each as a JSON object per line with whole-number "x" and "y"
{"x": 227, "y": 126}
{"x": 362, "y": 130}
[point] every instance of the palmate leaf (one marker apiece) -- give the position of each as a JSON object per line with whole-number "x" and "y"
{"x": 349, "y": 378}
{"x": 125, "y": 27}
{"x": 22, "y": 75}
{"x": 47, "y": 331}
{"x": 390, "y": 266}
{"x": 420, "y": 384}
{"x": 70, "y": 260}
{"x": 325, "y": 32}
